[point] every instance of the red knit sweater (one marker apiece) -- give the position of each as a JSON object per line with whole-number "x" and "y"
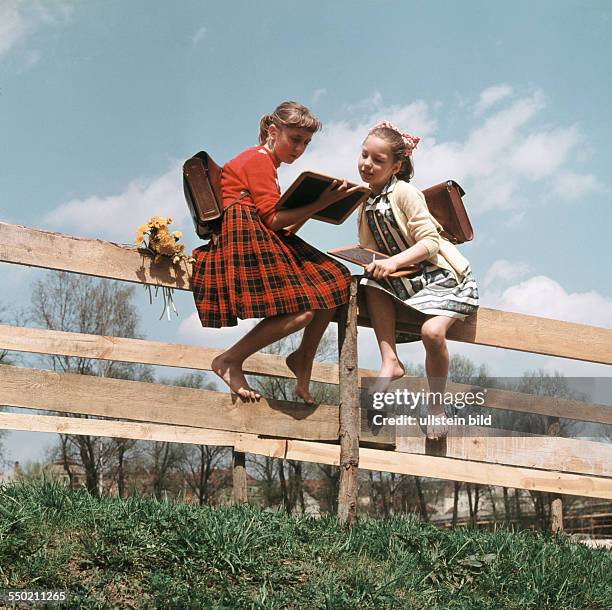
{"x": 253, "y": 170}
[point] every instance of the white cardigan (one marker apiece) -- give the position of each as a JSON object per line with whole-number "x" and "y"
{"x": 418, "y": 225}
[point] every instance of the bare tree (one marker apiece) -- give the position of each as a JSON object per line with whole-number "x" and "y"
{"x": 266, "y": 471}
{"x": 75, "y": 303}
{"x": 456, "y": 488}
{"x": 329, "y": 491}
{"x": 197, "y": 463}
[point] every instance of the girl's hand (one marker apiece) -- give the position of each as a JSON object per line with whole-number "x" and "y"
{"x": 334, "y": 192}
{"x": 382, "y": 268}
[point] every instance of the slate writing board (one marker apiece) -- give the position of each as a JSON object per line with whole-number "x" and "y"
{"x": 364, "y": 256}
{"x": 308, "y": 186}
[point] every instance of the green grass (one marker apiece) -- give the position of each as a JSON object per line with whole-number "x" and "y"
{"x": 142, "y": 553}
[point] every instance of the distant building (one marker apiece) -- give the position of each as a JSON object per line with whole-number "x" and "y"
{"x": 10, "y": 475}
{"x": 69, "y": 472}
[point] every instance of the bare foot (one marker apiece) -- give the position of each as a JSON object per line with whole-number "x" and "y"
{"x": 301, "y": 367}
{"x": 232, "y": 374}
{"x": 437, "y": 432}
{"x": 389, "y": 371}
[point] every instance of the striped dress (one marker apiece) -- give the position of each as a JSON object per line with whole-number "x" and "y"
{"x": 433, "y": 291}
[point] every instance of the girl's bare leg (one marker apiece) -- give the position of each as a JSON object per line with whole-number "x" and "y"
{"x": 228, "y": 365}
{"x": 433, "y": 333}
{"x": 382, "y": 316}
{"x": 301, "y": 360}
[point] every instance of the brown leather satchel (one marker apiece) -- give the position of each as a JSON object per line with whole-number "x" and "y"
{"x": 202, "y": 188}
{"x": 445, "y": 204}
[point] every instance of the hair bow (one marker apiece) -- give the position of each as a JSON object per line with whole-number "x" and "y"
{"x": 410, "y": 141}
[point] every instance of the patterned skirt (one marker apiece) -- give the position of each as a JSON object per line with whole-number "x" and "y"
{"x": 433, "y": 292}
{"x": 254, "y": 272}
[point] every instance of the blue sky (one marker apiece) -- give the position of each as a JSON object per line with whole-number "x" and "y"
{"x": 100, "y": 102}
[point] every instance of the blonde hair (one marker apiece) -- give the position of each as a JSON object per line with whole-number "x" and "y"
{"x": 288, "y": 114}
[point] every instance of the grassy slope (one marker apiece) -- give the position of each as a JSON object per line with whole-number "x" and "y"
{"x": 142, "y": 553}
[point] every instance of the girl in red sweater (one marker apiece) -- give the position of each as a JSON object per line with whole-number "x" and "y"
{"x": 258, "y": 267}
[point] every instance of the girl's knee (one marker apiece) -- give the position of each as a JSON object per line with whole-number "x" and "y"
{"x": 305, "y": 317}
{"x": 433, "y": 336}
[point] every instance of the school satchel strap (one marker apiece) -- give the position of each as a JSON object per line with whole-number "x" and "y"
{"x": 446, "y": 206}
{"x": 202, "y": 188}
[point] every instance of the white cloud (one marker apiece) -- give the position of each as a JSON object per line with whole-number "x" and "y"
{"x": 569, "y": 185}
{"x": 20, "y": 18}
{"x": 31, "y": 59}
{"x": 541, "y": 154}
{"x": 335, "y": 150}
{"x": 199, "y": 35}
{"x": 486, "y": 147}
{"x": 116, "y": 217}
{"x": 13, "y": 25}
{"x": 491, "y": 95}
{"x": 503, "y": 271}
{"x": 515, "y": 219}
{"x": 496, "y": 161}
{"x": 537, "y": 296}
{"x": 543, "y": 296}
{"x": 318, "y": 94}
{"x": 191, "y": 331}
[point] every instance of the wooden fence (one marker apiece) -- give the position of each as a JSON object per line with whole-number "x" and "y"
{"x": 328, "y": 434}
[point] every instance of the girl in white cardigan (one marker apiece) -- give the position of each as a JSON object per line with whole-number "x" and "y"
{"x": 396, "y": 221}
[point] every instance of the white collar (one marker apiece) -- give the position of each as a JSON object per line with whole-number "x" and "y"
{"x": 383, "y": 196}
{"x": 388, "y": 188}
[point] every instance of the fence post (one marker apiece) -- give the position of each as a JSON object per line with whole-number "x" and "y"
{"x": 349, "y": 409}
{"x": 556, "y": 504}
{"x": 239, "y": 479}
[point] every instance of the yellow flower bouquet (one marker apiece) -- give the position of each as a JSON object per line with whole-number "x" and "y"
{"x": 161, "y": 241}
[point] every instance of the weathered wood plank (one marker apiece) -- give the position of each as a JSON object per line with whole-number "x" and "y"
{"x": 138, "y": 401}
{"x": 519, "y": 332}
{"x": 457, "y": 470}
{"x": 324, "y": 453}
{"x": 44, "y": 341}
{"x": 143, "y": 432}
{"x": 517, "y": 449}
{"x": 536, "y": 335}
{"x": 38, "y": 248}
{"x": 133, "y": 400}
{"x": 34, "y": 247}
{"x": 60, "y": 343}
{"x": 542, "y": 405}
{"x": 270, "y": 447}
{"x": 118, "y": 429}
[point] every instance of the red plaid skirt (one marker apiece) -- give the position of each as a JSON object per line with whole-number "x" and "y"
{"x": 254, "y": 272}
